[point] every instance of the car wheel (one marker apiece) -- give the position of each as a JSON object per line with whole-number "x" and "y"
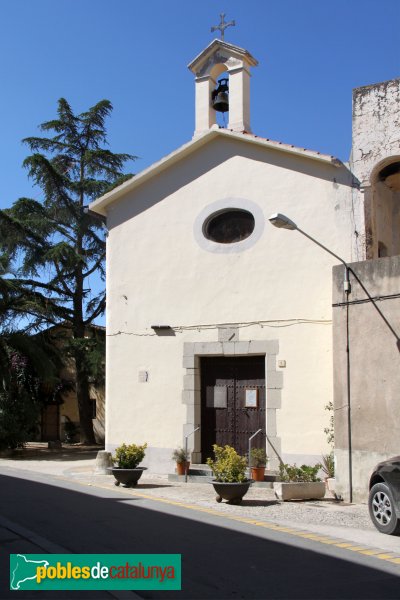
{"x": 382, "y": 510}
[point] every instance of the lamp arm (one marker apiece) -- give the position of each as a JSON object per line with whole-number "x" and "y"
{"x": 346, "y": 283}
{"x": 322, "y": 246}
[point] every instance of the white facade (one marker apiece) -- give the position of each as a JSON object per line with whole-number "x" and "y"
{"x": 269, "y": 294}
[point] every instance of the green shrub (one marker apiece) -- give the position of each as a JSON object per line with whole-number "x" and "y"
{"x": 294, "y": 474}
{"x": 330, "y": 430}
{"x": 19, "y": 418}
{"x": 20, "y": 405}
{"x": 228, "y": 466}
{"x": 258, "y": 457}
{"x": 328, "y": 464}
{"x": 129, "y": 457}
{"x": 70, "y": 431}
{"x": 180, "y": 455}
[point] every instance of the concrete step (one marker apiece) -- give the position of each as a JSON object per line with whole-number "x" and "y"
{"x": 200, "y": 469}
{"x": 201, "y": 473}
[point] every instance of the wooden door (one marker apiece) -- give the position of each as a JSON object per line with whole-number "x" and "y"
{"x": 232, "y": 402}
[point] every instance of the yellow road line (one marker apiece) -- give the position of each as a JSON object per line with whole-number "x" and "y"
{"x": 322, "y": 539}
{"x": 370, "y": 552}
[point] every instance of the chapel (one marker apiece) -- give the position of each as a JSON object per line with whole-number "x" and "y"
{"x": 217, "y": 321}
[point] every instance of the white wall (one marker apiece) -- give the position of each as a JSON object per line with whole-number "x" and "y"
{"x": 157, "y": 273}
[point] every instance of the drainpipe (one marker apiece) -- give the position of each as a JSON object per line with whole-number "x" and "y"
{"x": 347, "y": 289}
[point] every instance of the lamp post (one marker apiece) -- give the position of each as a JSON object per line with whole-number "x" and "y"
{"x": 283, "y": 222}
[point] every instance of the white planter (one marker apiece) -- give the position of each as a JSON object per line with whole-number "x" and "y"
{"x": 330, "y": 484}
{"x": 313, "y": 490}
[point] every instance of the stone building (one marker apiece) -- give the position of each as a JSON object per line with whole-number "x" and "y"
{"x": 367, "y": 386}
{"x": 60, "y": 412}
{"x": 214, "y": 317}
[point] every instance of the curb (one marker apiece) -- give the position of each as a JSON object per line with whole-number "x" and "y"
{"x": 338, "y": 542}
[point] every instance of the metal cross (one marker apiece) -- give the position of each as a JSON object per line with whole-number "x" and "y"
{"x": 222, "y": 26}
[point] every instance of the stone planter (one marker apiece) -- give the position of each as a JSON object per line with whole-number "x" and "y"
{"x": 232, "y": 492}
{"x": 104, "y": 463}
{"x": 330, "y": 484}
{"x": 313, "y": 490}
{"x": 128, "y": 477}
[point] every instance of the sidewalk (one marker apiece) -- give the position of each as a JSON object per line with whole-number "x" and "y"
{"x": 327, "y": 517}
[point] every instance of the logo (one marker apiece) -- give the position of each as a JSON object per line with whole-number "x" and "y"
{"x": 95, "y": 572}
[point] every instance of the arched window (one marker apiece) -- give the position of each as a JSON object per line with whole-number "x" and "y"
{"x": 385, "y": 213}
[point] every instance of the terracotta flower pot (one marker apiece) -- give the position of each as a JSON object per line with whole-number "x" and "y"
{"x": 181, "y": 468}
{"x": 257, "y": 473}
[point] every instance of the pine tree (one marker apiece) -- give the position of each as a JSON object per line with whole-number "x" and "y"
{"x": 57, "y": 247}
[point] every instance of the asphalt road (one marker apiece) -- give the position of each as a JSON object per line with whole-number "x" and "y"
{"x": 221, "y": 558}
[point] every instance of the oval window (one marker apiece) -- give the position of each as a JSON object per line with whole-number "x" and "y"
{"x": 229, "y": 226}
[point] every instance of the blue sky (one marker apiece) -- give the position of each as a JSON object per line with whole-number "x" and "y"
{"x": 135, "y": 53}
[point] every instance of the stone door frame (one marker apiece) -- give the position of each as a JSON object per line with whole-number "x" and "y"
{"x": 193, "y": 351}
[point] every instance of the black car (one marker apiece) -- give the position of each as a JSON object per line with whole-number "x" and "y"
{"x": 384, "y": 496}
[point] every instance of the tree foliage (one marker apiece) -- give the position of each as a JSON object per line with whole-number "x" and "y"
{"x": 55, "y": 247}
{"x": 26, "y": 364}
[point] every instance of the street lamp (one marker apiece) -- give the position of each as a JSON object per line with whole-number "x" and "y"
{"x": 283, "y": 222}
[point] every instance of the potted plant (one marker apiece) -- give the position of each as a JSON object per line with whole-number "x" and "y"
{"x": 128, "y": 457}
{"x": 299, "y": 483}
{"x": 328, "y": 467}
{"x": 258, "y": 460}
{"x": 229, "y": 469}
{"x": 70, "y": 430}
{"x": 181, "y": 457}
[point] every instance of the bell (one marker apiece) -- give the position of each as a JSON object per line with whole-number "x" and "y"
{"x": 220, "y": 96}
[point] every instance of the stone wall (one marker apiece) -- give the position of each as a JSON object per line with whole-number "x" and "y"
{"x": 373, "y": 317}
{"x": 376, "y": 125}
{"x": 375, "y": 163}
